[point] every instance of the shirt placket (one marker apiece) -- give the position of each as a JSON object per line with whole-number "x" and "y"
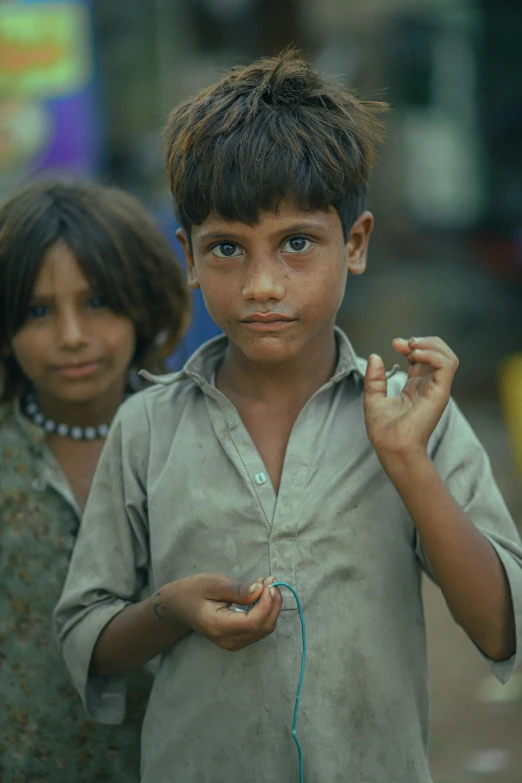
{"x": 57, "y": 482}
{"x": 51, "y": 476}
{"x": 281, "y": 511}
{"x": 241, "y": 450}
{"x": 291, "y": 500}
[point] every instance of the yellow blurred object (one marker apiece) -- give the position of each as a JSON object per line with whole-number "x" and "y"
{"x": 510, "y": 389}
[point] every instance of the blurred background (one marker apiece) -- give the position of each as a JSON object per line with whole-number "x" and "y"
{"x": 86, "y": 85}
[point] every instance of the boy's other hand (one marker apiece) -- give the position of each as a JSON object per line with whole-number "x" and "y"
{"x": 202, "y": 602}
{"x": 401, "y": 426}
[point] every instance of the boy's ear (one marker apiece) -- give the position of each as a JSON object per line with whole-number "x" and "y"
{"x": 189, "y": 258}
{"x": 358, "y": 243}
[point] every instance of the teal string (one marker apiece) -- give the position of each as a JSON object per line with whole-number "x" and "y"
{"x": 301, "y": 675}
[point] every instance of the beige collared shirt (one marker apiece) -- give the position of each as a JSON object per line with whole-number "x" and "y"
{"x": 181, "y": 489}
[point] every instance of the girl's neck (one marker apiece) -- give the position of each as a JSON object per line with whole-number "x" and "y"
{"x": 84, "y": 413}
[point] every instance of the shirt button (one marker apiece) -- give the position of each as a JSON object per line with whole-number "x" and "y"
{"x": 260, "y": 478}
{"x": 232, "y": 423}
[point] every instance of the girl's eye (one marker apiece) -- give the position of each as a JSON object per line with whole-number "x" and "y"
{"x": 226, "y": 250}
{"x": 95, "y": 302}
{"x": 296, "y": 245}
{"x": 37, "y": 311}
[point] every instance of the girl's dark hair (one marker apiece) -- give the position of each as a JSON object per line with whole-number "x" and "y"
{"x": 270, "y": 131}
{"x": 120, "y": 250}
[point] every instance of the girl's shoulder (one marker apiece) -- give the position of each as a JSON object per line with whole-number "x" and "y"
{"x": 15, "y": 443}
{"x": 8, "y": 423}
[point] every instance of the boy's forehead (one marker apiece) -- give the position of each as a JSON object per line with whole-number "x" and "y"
{"x": 287, "y": 215}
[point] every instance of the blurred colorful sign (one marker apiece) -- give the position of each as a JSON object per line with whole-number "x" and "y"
{"x": 48, "y": 118}
{"x": 44, "y": 51}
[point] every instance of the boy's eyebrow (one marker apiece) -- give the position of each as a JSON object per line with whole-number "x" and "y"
{"x": 308, "y": 225}
{"x": 294, "y": 228}
{"x": 213, "y": 235}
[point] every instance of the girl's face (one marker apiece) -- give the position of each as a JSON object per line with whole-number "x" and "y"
{"x": 72, "y": 347}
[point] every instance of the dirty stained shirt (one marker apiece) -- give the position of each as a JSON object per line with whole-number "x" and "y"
{"x": 181, "y": 489}
{"x": 45, "y": 733}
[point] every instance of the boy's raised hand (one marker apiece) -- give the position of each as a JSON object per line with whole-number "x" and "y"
{"x": 202, "y": 603}
{"x": 401, "y": 426}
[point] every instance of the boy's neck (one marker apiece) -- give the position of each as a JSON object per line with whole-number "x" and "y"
{"x": 287, "y": 383}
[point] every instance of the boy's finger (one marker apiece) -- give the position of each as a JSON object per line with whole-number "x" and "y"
{"x": 277, "y": 603}
{"x": 375, "y": 383}
{"x": 435, "y": 359}
{"x": 410, "y": 348}
{"x": 261, "y": 618}
{"x": 431, "y": 343}
{"x": 230, "y": 591}
{"x": 401, "y": 345}
{"x": 257, "y": 616}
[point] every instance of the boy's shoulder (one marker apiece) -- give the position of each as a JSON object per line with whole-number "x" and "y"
{"x": 155, "y": 413}
{"x": 164, "y": 392}
{"x": 171, "y": 391}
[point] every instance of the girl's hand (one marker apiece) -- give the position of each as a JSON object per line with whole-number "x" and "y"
{"x": 202, "y": 603}
{"x": 401, "y": 426}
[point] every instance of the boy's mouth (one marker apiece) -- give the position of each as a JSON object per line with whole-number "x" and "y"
{"x": 268, "y": 322}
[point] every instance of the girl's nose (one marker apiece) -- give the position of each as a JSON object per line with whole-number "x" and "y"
{"x": 71, "y": 333}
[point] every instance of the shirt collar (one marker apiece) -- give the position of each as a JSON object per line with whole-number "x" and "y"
{"x": 49, "y": 467}
{"x": 35, "y": 435}
{"x": 201, "y": 366}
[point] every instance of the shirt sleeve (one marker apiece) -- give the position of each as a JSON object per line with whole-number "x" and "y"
{"x": 464, "y": 466}
{"x": 110, "y": 560}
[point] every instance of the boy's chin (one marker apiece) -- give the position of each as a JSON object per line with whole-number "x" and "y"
{"x": 268, "y": 351}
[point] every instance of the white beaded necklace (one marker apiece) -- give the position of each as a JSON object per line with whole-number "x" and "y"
{"x": 50, "y": 426}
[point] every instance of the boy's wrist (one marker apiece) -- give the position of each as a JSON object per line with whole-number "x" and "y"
{"x": 405, "y": 463}
{"x": 167, "y": 601}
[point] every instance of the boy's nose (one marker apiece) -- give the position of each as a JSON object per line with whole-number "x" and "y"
{"x": 264, "y": 280}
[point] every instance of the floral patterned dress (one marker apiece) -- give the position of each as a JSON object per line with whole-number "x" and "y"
{"x": 45, "y": 734}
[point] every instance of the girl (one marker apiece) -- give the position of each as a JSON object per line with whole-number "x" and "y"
{"x": 89, "y": 292}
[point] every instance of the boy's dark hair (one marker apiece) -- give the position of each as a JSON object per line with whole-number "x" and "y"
{"x": 119, "y": 249}
{"x": 269, "y": 131}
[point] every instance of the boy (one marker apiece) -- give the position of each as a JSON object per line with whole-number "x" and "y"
{"x": 277, "y": 450}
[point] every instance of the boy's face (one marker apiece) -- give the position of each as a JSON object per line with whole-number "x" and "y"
{"x": 277, "y": 285}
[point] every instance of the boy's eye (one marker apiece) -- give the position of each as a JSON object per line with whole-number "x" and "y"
{"x": 37, "y": 311}
{"x": 296, "y": 245}
{"x": 95, "y": 302}
{"x": 226, "y": 250}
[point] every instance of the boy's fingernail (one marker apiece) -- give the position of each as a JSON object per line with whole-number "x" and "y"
{"x": 272, "y": 591}
{"x": 255, "y": 586}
